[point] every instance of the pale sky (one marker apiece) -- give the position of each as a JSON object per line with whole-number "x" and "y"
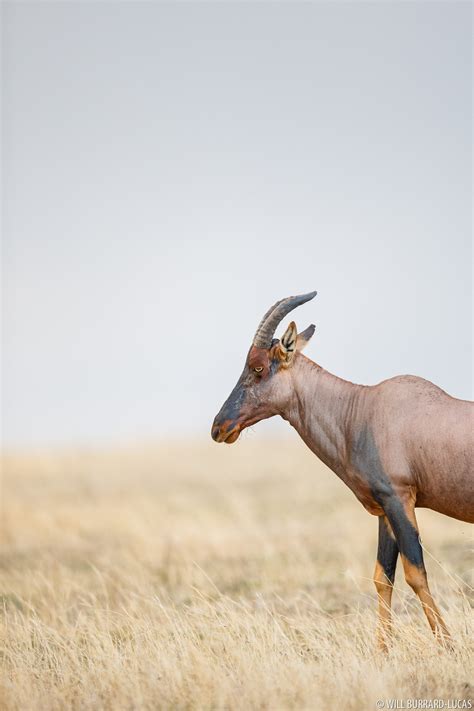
{"x": 172, "y": 169}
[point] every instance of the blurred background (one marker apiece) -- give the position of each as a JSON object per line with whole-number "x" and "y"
{"x": 172, "y": 169}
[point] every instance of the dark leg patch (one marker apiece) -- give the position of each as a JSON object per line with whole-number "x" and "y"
{"x": 387, "y": 551}
{"x": 366, "y": 459}
{"x": 407, "y": 536}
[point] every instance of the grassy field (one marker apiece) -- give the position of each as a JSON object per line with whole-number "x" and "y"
{"x": 212, "y": 577}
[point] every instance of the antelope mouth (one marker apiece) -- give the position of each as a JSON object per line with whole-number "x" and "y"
{"x": 228, "y": 436}
{"x": 231, "y": 437}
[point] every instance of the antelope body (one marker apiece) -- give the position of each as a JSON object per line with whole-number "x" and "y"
{"x": 398, "y": 445}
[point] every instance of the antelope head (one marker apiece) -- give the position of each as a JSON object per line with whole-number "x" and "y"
{"x": 265, "y": 386}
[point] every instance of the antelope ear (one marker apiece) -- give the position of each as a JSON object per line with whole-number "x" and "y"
{"x": 287, "y": 345}
{"x": 304, "y": 337}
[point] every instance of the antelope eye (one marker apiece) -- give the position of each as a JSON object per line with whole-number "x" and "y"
{"x": 258, "y": 369}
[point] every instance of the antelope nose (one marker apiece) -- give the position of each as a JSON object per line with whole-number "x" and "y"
{"x": 215, "y": 432}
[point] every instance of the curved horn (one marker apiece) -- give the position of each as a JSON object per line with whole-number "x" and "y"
{"x": 266, "y": 328}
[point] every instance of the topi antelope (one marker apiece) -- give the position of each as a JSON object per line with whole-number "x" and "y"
{"x": 397, "y": 445}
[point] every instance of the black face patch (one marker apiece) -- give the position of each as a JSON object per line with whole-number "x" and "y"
{"x": 230, "y": 410}
{"x": 366, "y": 459}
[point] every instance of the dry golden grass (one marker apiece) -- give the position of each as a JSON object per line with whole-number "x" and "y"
{"x": 212, "y": 577}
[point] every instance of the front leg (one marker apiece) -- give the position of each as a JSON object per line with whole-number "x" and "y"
{"x": 384, "y": 575}
{"x": 401, "y": 515}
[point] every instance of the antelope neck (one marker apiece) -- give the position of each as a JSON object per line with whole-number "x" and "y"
{"x": 323, "y": 409}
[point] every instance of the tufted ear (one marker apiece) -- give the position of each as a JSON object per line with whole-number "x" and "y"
{"x": 304, "y": 337}
{"x": 292, "y": 341}
{"x": 287, "y": 345}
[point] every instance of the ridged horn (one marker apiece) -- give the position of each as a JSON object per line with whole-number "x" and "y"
{"x": 267, "y": 326}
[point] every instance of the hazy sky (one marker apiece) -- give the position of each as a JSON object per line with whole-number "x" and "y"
{"x": 172, "y": 169}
